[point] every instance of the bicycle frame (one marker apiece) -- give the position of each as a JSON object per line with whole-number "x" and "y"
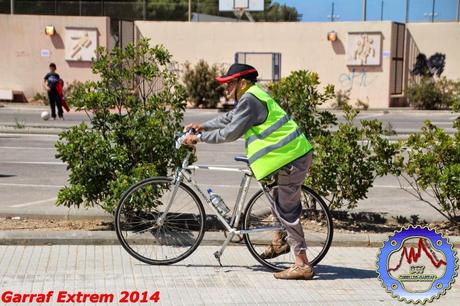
{"x": 183, "y": 173}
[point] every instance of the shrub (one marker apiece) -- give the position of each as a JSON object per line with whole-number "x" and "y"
{"x": 342, "y": 98}
{"x": 347, "y": 162}
{"x": 135, "y": 109}
{"x": 41, "y": 97}
{"x": 300, "y": 96}
{"x": 429, "y": 163}
{"x": 200, "y": 82}
{"x": 433, "y": 94}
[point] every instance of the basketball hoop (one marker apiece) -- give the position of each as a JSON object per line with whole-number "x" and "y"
{"x": 239, "y": 12}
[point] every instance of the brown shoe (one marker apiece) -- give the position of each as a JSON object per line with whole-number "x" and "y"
{"x": 275, "y": 249}
{"x": 305, "y": 272}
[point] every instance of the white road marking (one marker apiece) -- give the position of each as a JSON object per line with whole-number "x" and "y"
{"x": 370, "y": 116}
{"x": 389, "y": 186}
{"x": 27, "y": 148}
{"x": 16, "y": 135}
{"x": 33, "y": 203}
{"x": 30, "y": 185}
{"x": 33, "y": 163}
{"x": 225, "y": 186}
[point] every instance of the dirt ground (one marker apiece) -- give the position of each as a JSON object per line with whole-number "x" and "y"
{"x": 92, "y": 224}
{"x": 104, "y": 224}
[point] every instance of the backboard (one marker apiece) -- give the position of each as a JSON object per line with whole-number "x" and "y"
{"x": 247, "y": 5}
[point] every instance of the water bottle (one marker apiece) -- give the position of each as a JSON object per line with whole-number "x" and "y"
{"x": 218, "y": 203}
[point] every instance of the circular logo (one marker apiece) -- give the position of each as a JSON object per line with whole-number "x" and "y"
{"x": 416, "y": 265}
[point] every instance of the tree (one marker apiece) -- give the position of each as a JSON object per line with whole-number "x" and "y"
{"x": 178, "y": 10}
{"x": 135, "y": 109}
{"x": 201, "y": 85}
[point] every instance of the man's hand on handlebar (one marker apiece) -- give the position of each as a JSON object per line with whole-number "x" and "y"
{"x": 197, "y": 126}
{"x": 190, "y": 140}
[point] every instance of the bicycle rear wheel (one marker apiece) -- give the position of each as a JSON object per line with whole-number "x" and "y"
{"x": 152, "y": 241}
{"x": 316, "y": 223}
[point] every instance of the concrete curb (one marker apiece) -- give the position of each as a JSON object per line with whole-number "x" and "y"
{"x": 21, "y": 237}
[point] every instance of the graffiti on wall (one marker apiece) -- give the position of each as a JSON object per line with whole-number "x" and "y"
{"x": 356, "y": 78}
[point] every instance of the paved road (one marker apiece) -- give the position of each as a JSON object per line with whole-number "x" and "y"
{"x": 30, "y": 177}
{"x": 345, "y": 277}
{"x": 401, "y": 120}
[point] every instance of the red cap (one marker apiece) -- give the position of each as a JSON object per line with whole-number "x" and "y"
{"x": 237, "y": 70}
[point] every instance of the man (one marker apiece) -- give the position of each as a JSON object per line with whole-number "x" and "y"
{"x": 274, "y": 146}
{"x": 50, "y": 83}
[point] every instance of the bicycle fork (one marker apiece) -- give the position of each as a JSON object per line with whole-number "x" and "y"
{"x": 178, "y": 177}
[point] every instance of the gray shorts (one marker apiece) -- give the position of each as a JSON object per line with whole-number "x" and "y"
{"x": 289, "y": 180}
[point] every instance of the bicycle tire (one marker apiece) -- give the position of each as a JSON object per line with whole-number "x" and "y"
{"x": 126, "y": 245}
{"x": 313, "y": 261}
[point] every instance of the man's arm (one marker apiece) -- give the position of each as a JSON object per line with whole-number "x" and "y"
{"x": 218, "y": 122}
{"x": 45, "y": 83}
{"x": 249, "y": 112}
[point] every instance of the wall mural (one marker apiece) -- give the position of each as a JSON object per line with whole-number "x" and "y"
{"x": 364, "y": 49}
{"x": 80, "y": 44}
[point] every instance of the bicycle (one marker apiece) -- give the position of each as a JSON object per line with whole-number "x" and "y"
{"x": 161, "y": 220}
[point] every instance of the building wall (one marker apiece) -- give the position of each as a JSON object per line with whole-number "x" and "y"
{"x": 443, "y": 37}
{"x": 22, "y": 39}
{"x": 302, "y": 45}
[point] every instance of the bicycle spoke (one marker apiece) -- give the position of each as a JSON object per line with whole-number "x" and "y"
{"x": 316, "y": 225}
{"x": 160, "y": 241}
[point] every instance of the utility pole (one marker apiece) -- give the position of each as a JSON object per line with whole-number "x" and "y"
{"x": 189, "y": 10}
{"x": 381, "y": 11}
{"x": 364, "y": 10}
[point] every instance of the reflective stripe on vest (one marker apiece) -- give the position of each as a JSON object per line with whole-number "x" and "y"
{"x": 276, "y": 142}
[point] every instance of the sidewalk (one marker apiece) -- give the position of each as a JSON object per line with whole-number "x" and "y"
{"x": 345, "y": 277}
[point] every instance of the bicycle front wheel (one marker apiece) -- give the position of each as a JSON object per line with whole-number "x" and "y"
{"x": 316, "y": 224}
{"x": 151, "y": 236}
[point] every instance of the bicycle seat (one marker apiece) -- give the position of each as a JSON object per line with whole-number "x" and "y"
{"x": 242, "y": 159}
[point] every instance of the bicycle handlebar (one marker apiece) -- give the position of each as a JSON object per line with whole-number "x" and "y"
{"x": 181, "y": 136}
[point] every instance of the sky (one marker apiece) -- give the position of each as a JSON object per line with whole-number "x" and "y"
{"x": 395, "y": 10}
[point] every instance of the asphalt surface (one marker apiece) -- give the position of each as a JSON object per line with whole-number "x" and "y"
{"x": 30, "y": 175}
{"x": 401, "y": 120}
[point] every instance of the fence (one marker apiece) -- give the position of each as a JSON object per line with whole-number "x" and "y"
{"x": 313, "y": 10}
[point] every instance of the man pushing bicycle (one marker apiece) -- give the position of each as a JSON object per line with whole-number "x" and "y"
{"x": 275, "y": 146}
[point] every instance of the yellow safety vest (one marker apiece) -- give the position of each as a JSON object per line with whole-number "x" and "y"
{"x": 274, "y": 143}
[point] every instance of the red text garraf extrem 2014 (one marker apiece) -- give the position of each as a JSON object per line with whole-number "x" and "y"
{"x": 66, "y": 297}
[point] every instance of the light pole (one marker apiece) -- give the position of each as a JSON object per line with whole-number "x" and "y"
{"x": 189, "y": 10}
{"x": 12, "y": 7}
{"x": 458, "y": 10}
{"x": 364, "y": 10}
{"x": 332, "y": 16}
{"x": 407, "y": 11}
